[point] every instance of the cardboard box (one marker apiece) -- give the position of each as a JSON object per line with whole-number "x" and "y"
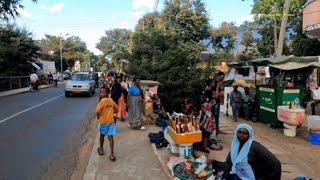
{"x": 185, "y": 138}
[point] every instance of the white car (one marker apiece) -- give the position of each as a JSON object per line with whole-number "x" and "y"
{"x": 80, "y": 83}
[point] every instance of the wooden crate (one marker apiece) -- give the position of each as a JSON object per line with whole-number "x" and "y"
{"x": 185, "y": 138}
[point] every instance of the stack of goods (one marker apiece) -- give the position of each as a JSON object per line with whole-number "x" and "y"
{"x": 147, "y": 121}
{"x": 192, "y": 170}
{"x": 200, "y": 151}
{"x": 184, "y": 124}
{"x": 159, "y": 140}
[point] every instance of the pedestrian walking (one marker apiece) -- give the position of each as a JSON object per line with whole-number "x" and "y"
{"x": 55, "y": 79}
{"x": 50, "y": 76}
{"x": 115, "y": 88}
{"x": 107, "y": 127}
{"x": 135, "y": 97}
{"x": 217, "y": 96}
{"x": 123, "y": 98}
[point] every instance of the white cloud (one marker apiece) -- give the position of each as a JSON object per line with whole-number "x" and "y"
{"x": 240, "y": 20}
{"x": 136, "y": 14}
{"x": 54, "y": 8}
{"x": 24, "y": 13}
{"x": 141, "y": 4}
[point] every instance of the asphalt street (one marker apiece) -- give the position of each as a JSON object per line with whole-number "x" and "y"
{"x": 40, "y": 133}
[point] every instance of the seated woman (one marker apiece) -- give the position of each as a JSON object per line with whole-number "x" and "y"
{"x": 248, "y": 159}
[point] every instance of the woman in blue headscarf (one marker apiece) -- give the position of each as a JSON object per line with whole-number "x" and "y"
{"x": 248, "y": 159}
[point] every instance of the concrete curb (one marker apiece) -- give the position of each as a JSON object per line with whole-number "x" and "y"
{"x": 22, "y": 90}
{"x": 93, "y": 163}
{"x": 162, "y": 162}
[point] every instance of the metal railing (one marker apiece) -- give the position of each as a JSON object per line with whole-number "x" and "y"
{"x": 14, "y": 82}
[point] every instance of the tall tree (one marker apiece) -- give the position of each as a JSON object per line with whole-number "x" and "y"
{"x": 283, "y": 28}
{"x": 167, "y": 51}
{"x": 9, "y": 9}
{"x": 17, "y": 48}
{"x": 186, "y": 18}
{"x": 73, "y": 49}
{"x": 275, "y": 13}
{"x": 247, "y": 41}
{"x": 115, "y": 45}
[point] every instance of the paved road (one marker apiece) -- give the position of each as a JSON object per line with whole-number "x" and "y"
{"x": 40, "y": 133}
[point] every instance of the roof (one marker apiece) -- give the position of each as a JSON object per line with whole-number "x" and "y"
{"x": 285, "y": 59}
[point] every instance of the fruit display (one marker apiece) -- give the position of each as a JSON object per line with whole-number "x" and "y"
{"x": 184, "y": 124}
{"x": 184, "y": 172}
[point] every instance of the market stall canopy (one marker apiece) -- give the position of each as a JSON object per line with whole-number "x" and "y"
{"x": 288, "y": 62}
{"x": 242, "y": 64}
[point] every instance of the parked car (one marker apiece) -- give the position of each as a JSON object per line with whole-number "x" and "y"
{"x": 80, "y": 83}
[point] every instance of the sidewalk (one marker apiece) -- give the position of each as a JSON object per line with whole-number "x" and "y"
{"x": 136, "y": 158}
{"x": 22, "y": 90}
{"x": 290, "y": 151}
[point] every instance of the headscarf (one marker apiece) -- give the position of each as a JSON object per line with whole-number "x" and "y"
{"x": 242, "y": 156}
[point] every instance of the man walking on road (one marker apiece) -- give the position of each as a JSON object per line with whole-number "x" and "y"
{"x": 34, "y": 80}
{"x": 55, "y": 79}
{"x": 50, "y": 77}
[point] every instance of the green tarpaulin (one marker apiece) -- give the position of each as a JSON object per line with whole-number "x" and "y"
{"x": 286, "y": 59}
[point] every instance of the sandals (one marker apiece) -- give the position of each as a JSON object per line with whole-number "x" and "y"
{"x": 100, "y": 151}
{"x": 112, "y": 158}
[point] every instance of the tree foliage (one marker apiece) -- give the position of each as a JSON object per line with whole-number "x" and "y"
{"x": 168, "y": 48}
{"x": 16, "y": 48}
{"x": 9, "y": 9}
{"x": 73, "y": 49}
{"x": 224, "y": 37}
{"x": 115, "y": 46}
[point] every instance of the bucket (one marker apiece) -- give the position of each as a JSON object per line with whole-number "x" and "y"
{"x": 174, "y": 148}
{"x": 314, "y": 138}
{"x": 290, "y": 132}
{"x": 185, "y": 150}
{"x": 287, "y": 126}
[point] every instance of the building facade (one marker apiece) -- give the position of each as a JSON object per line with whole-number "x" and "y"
{"x": 311, "y": 19}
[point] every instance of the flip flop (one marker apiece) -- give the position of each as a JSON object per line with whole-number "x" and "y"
{"x": 100, "y": 151}
{"x": 112, "y": 158}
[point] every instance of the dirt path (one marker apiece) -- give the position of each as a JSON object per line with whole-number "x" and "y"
{"x": 298, "y": 157}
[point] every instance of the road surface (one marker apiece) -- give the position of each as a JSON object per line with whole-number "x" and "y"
{"x": 40, "y": 133}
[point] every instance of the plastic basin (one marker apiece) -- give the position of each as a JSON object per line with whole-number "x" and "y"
{"x": 194, "y": 165}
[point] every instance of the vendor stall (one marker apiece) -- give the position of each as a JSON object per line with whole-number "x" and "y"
{"x": 149, "y": 89}
{"x": 289, "y": 77}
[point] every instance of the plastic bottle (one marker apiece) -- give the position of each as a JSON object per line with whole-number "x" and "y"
{"x": 297, "y": 103}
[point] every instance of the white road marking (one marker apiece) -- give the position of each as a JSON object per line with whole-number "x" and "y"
{"x": 6, "y": 119}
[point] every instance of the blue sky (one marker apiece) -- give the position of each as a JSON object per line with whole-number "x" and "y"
{"x": 89, "y": 19}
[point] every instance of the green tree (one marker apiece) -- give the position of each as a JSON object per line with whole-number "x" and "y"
{"x": 17, "y": 48}
{"x": 168, "y": 50}
{"x": 73, "y": 49}
{"x": 247, "y": 41}
{"x": 187, "y": 19}
{"x": 274, "y": 13}
{"x": 115, "y": 45}
{"x": 224, "y": 37}
{"x": 9, "y": 9}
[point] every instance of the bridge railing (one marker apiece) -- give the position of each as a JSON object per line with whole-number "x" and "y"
{"x": 14, "y": 82}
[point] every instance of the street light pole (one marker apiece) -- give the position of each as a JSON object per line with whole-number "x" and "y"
{"x": 61, "y": 67}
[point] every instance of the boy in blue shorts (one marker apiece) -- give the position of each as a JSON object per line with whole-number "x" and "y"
{"x": 107, "y": 127}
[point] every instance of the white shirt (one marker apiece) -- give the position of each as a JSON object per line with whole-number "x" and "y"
{"x": 34, "y": 77}
{"x": 55, "y": 77}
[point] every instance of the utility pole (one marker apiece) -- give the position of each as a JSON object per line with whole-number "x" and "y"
{"x": 61, "y": 67}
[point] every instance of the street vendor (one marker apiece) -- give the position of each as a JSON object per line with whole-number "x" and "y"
{"x": 248, "y": 159}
